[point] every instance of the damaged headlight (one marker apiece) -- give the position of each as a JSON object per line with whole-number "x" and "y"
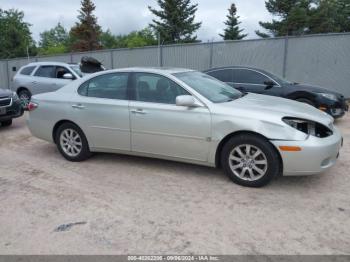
{"x": 15, "y": 96}
{"x": 308, "y": 127}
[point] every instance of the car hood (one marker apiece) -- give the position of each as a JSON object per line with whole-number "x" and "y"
{"x": 269, "y": 108}
{"x": 5, "y": 93}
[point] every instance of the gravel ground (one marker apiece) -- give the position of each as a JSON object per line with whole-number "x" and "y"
{"x": 132, "y": 205}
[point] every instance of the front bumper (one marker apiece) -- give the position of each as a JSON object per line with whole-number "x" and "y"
{"x": 13, "y": 111}
{"x": 337, "y": 108}
{"x": 317, "y": 154}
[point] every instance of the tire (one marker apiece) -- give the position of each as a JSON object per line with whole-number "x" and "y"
{"x": 260, "y": 168}
{"x": 305, "y": 101}
{"x": 25, "y": 96}
{"x": 6, "y": 123}
{"x": 72, "y": 143}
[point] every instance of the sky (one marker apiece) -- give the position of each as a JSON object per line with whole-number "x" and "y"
{"x": 124, "y": 16}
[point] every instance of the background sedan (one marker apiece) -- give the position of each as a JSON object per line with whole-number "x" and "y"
{"x": 247, "y": 79}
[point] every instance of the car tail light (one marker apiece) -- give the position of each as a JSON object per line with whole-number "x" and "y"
{"x": 32, "y": 106}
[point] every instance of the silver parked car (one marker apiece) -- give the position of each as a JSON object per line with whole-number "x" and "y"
{"x": 187, "y": 116}
{"x": 41, "y": 77}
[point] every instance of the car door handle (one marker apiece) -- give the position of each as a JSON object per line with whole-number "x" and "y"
{"x": 138, "y": 111}
{"x": 79, "y": 106}
{"x": 34, "y": 82}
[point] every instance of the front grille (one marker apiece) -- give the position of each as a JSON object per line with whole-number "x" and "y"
{"x": 5, "y": 102}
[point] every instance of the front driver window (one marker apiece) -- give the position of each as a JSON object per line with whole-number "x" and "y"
{"x": 61, "y": 71}
{"x": 156, "y": 89}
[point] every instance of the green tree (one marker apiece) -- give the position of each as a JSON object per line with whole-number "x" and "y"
{"x": 330, "y": 16}
{"x": 85, "y": 35}
{"x": 141, "y": 38}
{"x": 108, "y": 40}
{"x": 15, "y": 35}
{"x": 293, "y": 18}
{"x": 175, "y": 22}
{"x": 54, "y": 41}
{"x": 232, "y": 30}
{"x": 134, "y": 39}
{"x": 344, "y": 15}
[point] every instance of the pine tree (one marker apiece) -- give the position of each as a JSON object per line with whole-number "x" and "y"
{"x": 232, "y": 31}
{"x": 330, "y": 16}
{"x": 176, "y": 21}
{"x": 344, "y": 16}
{"x": 294, "y": 16}
{"x": 85, "y": 35}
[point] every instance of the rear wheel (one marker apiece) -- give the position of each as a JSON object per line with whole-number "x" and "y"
{"x": 72, "y": 143}
{"x": 25, "y": 96}
{"x": 6, "y": 123}
{"x": 250, "y": 160}
{"x": 305, "y": 101}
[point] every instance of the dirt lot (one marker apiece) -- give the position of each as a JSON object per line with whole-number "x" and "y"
{"x": 134, "y": 205}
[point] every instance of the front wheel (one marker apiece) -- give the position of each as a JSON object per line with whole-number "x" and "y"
{"x": 72, "y": 143}
{"x": 250, "y": 160}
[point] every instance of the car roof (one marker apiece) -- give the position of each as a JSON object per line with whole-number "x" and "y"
{"x": 49, "y": 63}
{"x": 156, "y": 70}
{"x": 233, "y": 67}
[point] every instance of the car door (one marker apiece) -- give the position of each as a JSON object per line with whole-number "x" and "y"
{"x": 249, "y": 80}
{"x": 60, "y": 81}
{"x": 160, "y": 127}
{"x": 43, "y": 80}
{"x": 102, "y": 111}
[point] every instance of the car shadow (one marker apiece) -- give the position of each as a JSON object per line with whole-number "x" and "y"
{"x": 185, "y": 169}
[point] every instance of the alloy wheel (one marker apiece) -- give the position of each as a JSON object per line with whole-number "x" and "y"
{"x": 248, "y": 162}
{"x": 25, "y": 99}
{"x": 71, "y": 142}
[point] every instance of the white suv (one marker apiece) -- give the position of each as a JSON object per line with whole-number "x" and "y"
{"x": 42, "y": 77}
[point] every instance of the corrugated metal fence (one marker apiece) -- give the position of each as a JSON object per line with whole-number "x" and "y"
{"x": 322, "y": 60}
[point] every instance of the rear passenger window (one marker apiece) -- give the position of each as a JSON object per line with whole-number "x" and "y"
{"x": 224, "y": 75}
{"x": 27, "y": 70}
{"x": 111, "y": 86}
{"x": 46, "y": 71}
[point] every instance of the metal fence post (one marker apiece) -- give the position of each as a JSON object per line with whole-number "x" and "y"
{"x": 160, "y": 56}
{"x": 112, "y": 60}
{"x": 285, "y": 56}
{"x": 8, "y": 74}
{"x": 211, "y": 54}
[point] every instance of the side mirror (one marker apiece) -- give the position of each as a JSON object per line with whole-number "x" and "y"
{"x": 188, "y": 101}
{"x": 269, "y": 84}
{"x": 68, "y": 76}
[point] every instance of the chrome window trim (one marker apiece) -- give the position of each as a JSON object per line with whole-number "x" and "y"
{"x": 242, "y": 68}
{"x": 11, "y": 101}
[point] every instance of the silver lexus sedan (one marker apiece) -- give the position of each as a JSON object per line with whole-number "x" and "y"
{"x": 187, "y": 116}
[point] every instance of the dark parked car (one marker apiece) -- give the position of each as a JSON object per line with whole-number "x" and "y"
{"x": 10, "y": 107}
{"x": 258, "y": 81}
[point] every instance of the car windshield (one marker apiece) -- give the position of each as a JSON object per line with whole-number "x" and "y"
{"x": 76, "y": 69}
{"x": 209, "y": 87}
